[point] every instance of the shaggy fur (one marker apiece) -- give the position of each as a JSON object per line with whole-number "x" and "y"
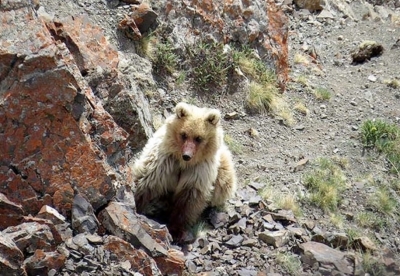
{"x": 186, "y": 158}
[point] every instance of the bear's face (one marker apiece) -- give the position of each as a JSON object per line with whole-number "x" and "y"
{"x": 194, "y": 133}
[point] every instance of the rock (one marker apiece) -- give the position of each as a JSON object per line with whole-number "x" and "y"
{"x": 130, "y": 111}
{"x": 366, "y": 50}
{"x": 274, "y": 238}
{"x": 83, "y": 217}
{"x": 218, "y": 219}
{"x": 42, "y": 262}
{"x": 337, "y": 240}
{"x": 365, "y": 243}
{"x": 11, "y": 257}
{"x": 30, "y": 236}
{"x": 300, "y": 165}
{"x": 53, "y": 228}
{"x": 235, "y": 241}
{"x": 311, "y": 5}
{"x": 283, "y": 215}
{"x": 49, "y": 213}
{"x": 10, "y": 213}
{"x": 141, "y": 21}
{"x": 120, "y": 220}
{"x": 52, "y": 149}
{"x": 326, "y": 258}
{"x": 139, "y": 260}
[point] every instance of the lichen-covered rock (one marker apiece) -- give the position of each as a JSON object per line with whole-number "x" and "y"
{"x": 48, "y": 115}
{"x": 11, "y": 258}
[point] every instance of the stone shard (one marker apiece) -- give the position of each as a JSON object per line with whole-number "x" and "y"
{"x": 49, "y": 213}
{"x": 30, "y": 236}
{"x": 122, "y": 222}
{"x": 139, "y": 260}
{"x": 274, "y": 238}
{"x": 10, "y": 213}
{"x": 41, "y": 262}
{"x": 326, "y": 258}
{"x": 83, "y": 217}
{"x": 11, "y": 257}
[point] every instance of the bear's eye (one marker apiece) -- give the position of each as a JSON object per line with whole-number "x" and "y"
{"x": 198, "y": 139}
{"x": 184, "y": 136}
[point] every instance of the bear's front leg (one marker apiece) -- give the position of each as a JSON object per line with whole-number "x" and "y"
{"x": 188, "y": 206}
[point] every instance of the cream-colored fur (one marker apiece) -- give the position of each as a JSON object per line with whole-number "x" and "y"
{"x": 208, "y": 178}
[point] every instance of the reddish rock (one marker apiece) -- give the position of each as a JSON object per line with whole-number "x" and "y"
{"x": 120, "y": 220}
{"x": 10, "y": 213}
{"x": 54, "y": 137}
{"x": 278, "y": 44}
{"x": 54, "y": 231}
{"x": 42, "y": 262}
{"x": 30, "y": 236}
{"x": 11, "y": 258}
{"x": 141, "y": 20}
{"x": 86, "y": 43}
{"x": 139, "y": 260}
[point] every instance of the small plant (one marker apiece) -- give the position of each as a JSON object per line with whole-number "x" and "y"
{"x": 165, "y": 61}
{"x": 394, "y": 83}
{"x": 384, "y": 202}
{"x": 326, "y": 184}
{"x": 211, "y": 65}
{"x": 302, "y": 80}
{"x": 378, "y": 134}
{"x": 290, "y": 263}
{"x": 370, "y": 220}
{"x": 232, "y": 144}
{"x": 372, "y": 266}
{"x": 301, "y": 59}
{"x": 336, "y": 220}
{"x": 288, "y": 202}
{"x": 322, "y": 94}
{"x": 259, "y": 98}
{"x": 385, "y": 138}
{"x": 301, "y": 108}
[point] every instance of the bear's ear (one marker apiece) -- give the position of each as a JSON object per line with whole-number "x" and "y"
{"x": 181, "y": 110}
{"x": 213, "y": 116}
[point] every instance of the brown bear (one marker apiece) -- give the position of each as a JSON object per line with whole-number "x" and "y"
{"x": 187, "y": 159}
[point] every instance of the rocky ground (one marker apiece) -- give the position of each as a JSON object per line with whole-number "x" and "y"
{"x": 271, "y": 227}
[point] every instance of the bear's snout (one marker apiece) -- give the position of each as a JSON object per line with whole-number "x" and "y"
{"x": 188, "y": 149}
{"x": 186, "y": 157}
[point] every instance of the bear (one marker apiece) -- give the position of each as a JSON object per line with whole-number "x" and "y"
{"x": 187, "y": 161}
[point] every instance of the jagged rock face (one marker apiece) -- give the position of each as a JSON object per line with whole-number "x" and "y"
{"x": 258, "y": 23}
{"x": 45, "y": 121}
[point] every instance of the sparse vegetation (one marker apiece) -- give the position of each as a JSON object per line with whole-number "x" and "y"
{"x": 393, "y": 83}
{"x": 383, "y": 201}
{"x": 385, "y": 138}
{"x": 259, "y": 99}
{"x": 301, "y": 59}
{"x": 302, "y": 79}
{"x": 369, "y": 219}
{"x": 211, "y": 65}
{"x": 372, "y": 266}
{"x": 263, "y": 83}
{"x": 232, "y": 144}
{"x": 290, "y": 263}
{"x": 326, "y": 183}
{"x": 165, "y": 61}
{"x": 301, "y": 108}
{"x": 322, "y": 94}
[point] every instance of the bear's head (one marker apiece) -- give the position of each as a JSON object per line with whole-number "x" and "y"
{"x": 194, "y": 134}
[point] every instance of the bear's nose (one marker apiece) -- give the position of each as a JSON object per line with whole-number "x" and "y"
{"x": 186, "y": 157}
